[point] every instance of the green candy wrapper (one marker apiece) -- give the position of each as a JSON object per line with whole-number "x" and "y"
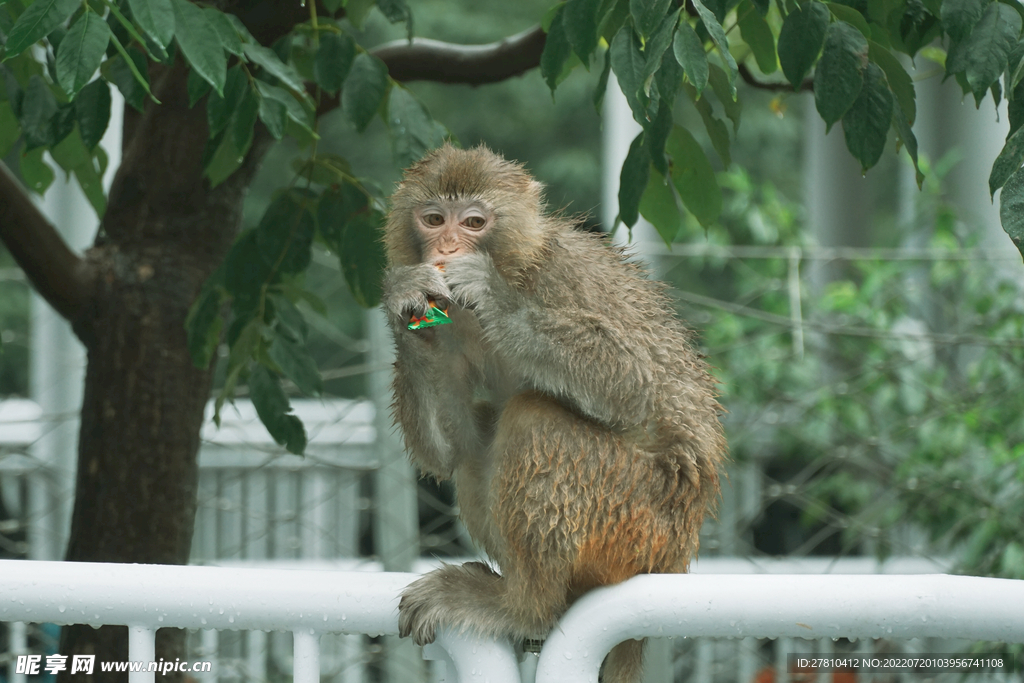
{"x": 434, "y": 317}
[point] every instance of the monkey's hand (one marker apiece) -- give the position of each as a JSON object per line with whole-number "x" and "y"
{"x": 406, "y": 289}
{"x": 460, "y": 596}
{"x": 473, "y": 280}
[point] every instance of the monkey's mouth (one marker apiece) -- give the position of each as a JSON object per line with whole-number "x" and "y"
{"x": 439, "y": 265}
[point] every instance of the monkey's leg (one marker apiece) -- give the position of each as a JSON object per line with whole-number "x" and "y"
{"x": 433, "y": 389}
{"x": 578, "y": 495}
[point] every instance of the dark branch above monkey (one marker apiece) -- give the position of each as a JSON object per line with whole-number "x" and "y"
{"x": 564, "y": 400}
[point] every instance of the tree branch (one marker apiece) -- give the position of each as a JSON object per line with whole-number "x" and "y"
{"x": 432, "y": 60}
{"x": 57, "y": 273}
{"x": 749, "y": 79}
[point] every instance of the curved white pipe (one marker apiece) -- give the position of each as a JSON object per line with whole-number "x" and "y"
{"x": 802, "y": 606}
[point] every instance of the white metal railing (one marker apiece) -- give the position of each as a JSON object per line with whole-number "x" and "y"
{"x": 311, "y": 603}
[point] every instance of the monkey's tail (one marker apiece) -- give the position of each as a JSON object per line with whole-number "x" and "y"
{"x": 625, "y": 663}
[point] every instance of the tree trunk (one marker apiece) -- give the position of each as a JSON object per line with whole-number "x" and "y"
{"x": 165, "y": 231}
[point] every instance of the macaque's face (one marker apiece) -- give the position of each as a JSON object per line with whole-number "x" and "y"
{"x": 449, "y": 229}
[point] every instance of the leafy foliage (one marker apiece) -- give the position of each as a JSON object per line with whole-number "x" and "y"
{"x": 901, "y": 408}
{"x": 60, "y": 57}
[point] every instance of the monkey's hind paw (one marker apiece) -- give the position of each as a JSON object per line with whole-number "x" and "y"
{"x": 454, "y": 596}
{"x": 419, "y": 615}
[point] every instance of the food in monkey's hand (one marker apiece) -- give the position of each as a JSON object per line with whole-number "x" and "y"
{"x": 435, "y": 316}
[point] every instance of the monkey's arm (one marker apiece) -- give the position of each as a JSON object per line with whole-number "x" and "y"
{"x": 433, "y": 386}
{"x": 584, "y": 356}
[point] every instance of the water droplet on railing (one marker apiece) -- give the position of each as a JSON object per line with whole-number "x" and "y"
{"x": 61, "y": 609}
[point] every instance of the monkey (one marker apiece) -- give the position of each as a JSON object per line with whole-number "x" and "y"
{"x": 564, "y": 400}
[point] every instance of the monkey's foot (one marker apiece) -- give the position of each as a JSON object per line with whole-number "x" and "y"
{"x": 453, "y": 595}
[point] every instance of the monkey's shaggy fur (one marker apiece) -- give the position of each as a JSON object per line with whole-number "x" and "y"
{"x": 565, "y": 400}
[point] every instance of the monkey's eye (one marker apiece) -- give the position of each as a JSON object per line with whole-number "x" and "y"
{"x": 434, "y": 219}
{"x": 475, "y": 222}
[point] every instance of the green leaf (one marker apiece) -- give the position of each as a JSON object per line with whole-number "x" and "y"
{"x": 758, "y": 35}
{"x": 689, "y": 52}
{"x": 245, "y": 272}
{"x": 628, "y": 64}
{"x": 913, "y": 28}
{"x": 658, "y": 43}
{"x": 801, "y": 39}
{"x": 333, "y": 60}
{"x": 1008, "y": 162}
{"x": 92, "y": 110}
{"x": 10, "y": 129}
{"x": 397, "y": 11}
{"x": 155, "y": 18}
{"x": 273, "y": 408}
{"x": 579, "y": 20}
{"x": 225, "y": 159}
{"x": 723, "y": 89}
{"x": 63, "y": 122}
{"x": 35, "y": 172}
{"x": 363, "y": 257}
{"x": 243, "y": 120}
{"x": 244, "y": 337}
{"x": 718, "y": 132}
{"x": 285, "y": 233}
{"x": 290, "y": 321}
{"x": 297, "y": 365}
{"x": 989, "y": 46}
{"x": 91, "y": 181}
{"x": 197, "y": 88}
{"x": 693, "y": 177}
{"x": 296, "y": 112}
{"x": 636, "y": 169}
{"x": 648, "y": 14}
{"x": 38, "y": 107}
{"x": 356, "y": 12}
{"x": 899, "y": 80}
{"x": 556, "y": 51}
{"x": 133, "y": 65}
{"x": 721, "y": 42}
{"x": 274, "y": 115}
{"x": 81, "y": 51}
{"x": 225, "y": 30}
{"x": 413, "y": 131}
{"x": 364, "y": 90}
{"x": 70, "y": 152}
{"x": 656, "y": 134}
{"x": 668, "y": 79}
{"x": 602, "y": 81}
{"x": 117, "y": 71}
{"x": 851, "y": 16}
{"x": 200, "y": 43}
{"x": 840, "y": 74}
{"x": 658, "y": 206}
{"x": 613, "y": 14}
{"x": 866, "y": 123}
{"x": 338, "y": 205}
{"x": 269, "y": 60}
{"x": 204, "y": 324}
{"x": 960, "y": 16}
{"x": 36, "y": 22}
{"x": 1011, "y": 208}
{"x": 219, "y": 109}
